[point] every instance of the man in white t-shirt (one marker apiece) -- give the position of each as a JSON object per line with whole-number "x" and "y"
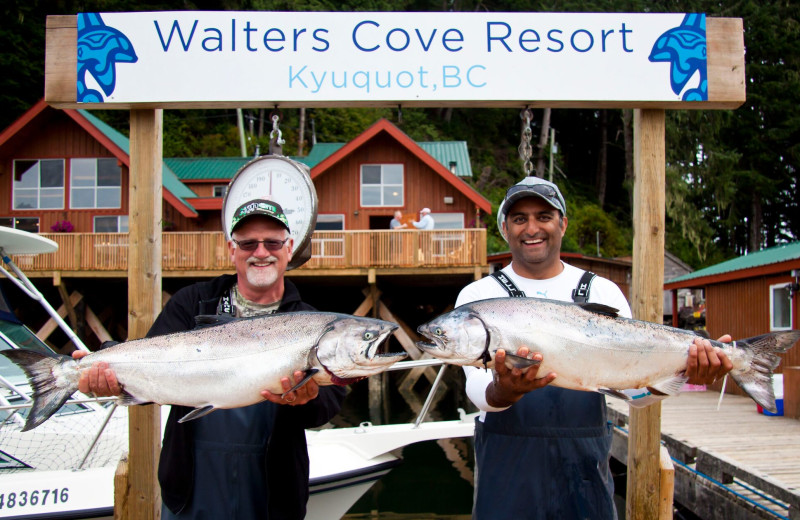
{"x": 425, "y": 220}
{"x": 542, "y": 451}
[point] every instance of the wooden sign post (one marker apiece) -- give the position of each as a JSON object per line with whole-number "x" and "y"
{"x": 642, "y": 499}
{"x": 724, "y": 48}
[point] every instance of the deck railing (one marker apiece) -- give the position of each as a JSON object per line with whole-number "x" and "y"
{"x": 201, "y": 251}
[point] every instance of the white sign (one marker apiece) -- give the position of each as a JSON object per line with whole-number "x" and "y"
{"x": 160, "y": 57}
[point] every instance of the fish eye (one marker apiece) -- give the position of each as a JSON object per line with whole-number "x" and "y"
{"x": 438, "y": 331}
{"x": 368, "y": 335}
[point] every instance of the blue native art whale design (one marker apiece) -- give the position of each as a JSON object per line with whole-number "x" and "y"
{"x": 684, "y": 47}
{"x": 100, "y": 48}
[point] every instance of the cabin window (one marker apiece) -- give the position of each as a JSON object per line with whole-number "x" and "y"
{"x": 29, "y": 224}
{"x": 219, "y": 190}
{"x": 111, "y": 224}
{"x": 780, "y": 306}
{"x": 95, "y": 183}
{"x": 39, "y": 184}
{"x": 448, "y": 220}
{"x": 382, "y": 185}
{"x": 329, "y": 223}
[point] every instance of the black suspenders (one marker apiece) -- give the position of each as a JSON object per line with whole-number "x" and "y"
{"x": 580, "y": 294}
{"x": 510, "y": 287}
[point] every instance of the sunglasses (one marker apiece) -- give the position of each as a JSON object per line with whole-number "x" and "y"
{"x": 252, "y": 245}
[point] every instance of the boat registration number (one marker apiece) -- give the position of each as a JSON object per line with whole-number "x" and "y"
{"x": 33, "y": 497}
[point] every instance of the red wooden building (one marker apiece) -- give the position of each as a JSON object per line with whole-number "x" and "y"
{"x": 750, "y": 295}
{"x": 65, "y": 174}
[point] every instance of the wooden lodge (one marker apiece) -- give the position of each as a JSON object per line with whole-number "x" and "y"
{"x": 752, "y": 295}
{"x": 65, "y": 174}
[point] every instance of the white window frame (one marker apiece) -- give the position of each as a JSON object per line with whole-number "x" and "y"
{"x": 438, "y": 219}
{"x": 15, "y": 190}
{"x": 219, "y": 188}
{"x": 122, "y": 223}
{"x": 330, "y": 217}
{"x": 95, "y": 188}
{"x": 772, "y": 309}
{"x": 382, "y": 185}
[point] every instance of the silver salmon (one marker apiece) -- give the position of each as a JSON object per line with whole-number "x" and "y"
{"x": 221, "y": 366}
{"x": 590, "y": 348}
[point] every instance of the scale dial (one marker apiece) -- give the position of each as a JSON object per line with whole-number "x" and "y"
{"x": 282, "y": 180}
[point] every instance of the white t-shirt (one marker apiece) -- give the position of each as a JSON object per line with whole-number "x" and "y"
{"x": 560, "y": 288}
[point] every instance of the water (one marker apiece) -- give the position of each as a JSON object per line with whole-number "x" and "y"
{"x": 435, "y": 479}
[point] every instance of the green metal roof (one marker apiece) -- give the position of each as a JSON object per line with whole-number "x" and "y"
{"x": 169, "y": 179}
{"x": 450, "y": 151}
{"x": 200, "y": 168}
{"x": 769, "y": 256}
{"x": 319, "y": 153}
{"x": 206, "y": 168}
{"x": 444, "y": 152}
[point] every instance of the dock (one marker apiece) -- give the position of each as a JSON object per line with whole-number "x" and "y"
{"x": 730, "y": 464}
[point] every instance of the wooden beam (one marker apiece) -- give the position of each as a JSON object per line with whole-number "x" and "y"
{"x": 97, "y": 326}
{"x": 121, "y": 490}
{"x": 61, "y": 59}
{"x": 365, "y": 306}
{"x": 667, "y": 488}
{"x": 144, "y": 301}
{"x": 647, "y": 301}
{"x": 51, "y": 325}
{"x": 73, "y": 317}
{"x": 725, "y": 66}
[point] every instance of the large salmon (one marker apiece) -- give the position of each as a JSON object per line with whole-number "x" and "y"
{"x": 590, "y": 348}
{"x": 222, "y": 366}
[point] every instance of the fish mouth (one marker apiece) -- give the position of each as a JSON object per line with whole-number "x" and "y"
{"x": 432, "y": 346}
{"x": 379, "y": 358}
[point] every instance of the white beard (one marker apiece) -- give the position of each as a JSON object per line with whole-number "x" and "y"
{"x": 261, "y": 277}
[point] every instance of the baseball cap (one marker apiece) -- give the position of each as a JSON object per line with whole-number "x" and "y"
{"x": 425, "y": 210}
{"x": 531, "y": 187}
{"x": 263, "y": 207}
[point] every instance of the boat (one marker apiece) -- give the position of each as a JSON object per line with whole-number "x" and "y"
{"x": 65, "y": 467}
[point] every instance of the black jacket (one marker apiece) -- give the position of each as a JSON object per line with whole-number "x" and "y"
{"x": 287, "y": 454}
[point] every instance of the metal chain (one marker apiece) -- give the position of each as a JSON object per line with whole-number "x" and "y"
{"x": 276, "y": 142}
{"x": 525, "y": 147}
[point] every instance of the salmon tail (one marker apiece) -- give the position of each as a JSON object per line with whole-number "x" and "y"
{"x": 756, "y": 381}
{"x": 50, "y": 391}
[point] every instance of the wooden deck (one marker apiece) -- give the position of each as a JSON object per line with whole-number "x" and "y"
{"x": 206, "y": 253}
{"x": 729, "y": 464}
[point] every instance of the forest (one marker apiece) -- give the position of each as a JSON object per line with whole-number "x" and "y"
{"x": 731, "y": 174}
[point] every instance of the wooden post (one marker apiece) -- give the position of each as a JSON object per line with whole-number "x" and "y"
{"x": 144, "y": 302}
{"x": 791, "y": 392}
{"x": 667, "y": 476}
{"x": 647, "y": 302}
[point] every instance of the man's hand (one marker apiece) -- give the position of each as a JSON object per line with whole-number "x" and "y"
{"x": 706, "y": 364}
{"x": 510, "y": 385}
{"x": 302, "y": 395}
{"x": 97, "y": 379}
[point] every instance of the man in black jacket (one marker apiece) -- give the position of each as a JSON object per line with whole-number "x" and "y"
{"x": 249, "y": 462}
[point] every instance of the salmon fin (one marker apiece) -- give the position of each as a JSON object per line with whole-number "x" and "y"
{"x": 614, "y": 393}
{"x": 309, "y": 374}
{"x": 671, "y": 386}
{"x": 514, "y": 361}
{"x": 197, "y": 413}
{"x": 49, "y": 392}
{"x": 757, "y": 380}
{"x": 126, "y": 399}
{"x": 599, "y": 308}
{"x": 202, "y": 321}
